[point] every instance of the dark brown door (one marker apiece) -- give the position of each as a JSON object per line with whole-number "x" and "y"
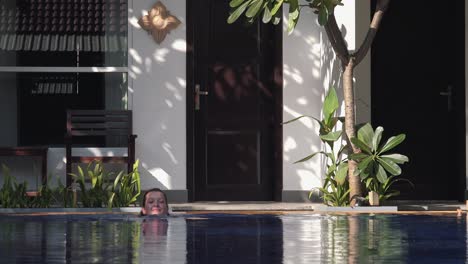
{"x": 418, "y": 88}
{"x": 234, "y": 118}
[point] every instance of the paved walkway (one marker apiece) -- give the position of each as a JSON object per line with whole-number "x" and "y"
{"x": 394, "y": 206}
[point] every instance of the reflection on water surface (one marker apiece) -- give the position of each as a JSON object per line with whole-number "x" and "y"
{"x": 241, "y": 239}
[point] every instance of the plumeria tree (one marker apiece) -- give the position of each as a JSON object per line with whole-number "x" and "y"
{"x": 270, "y": 12}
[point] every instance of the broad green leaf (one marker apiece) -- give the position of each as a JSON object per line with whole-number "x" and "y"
{"x": 365, "y": 134}
{"x": 389, "y": 166}
{"x": 323, "y": 15}
{"x": 341, "y": 173}
{"x": 332, "y": 136}
{"x": 293, "y": 15}
{"x": 236, "y": 14}
{"x": 362, "y": 166}
{"x": 276, "y": 7}
{"x": 266, "y": 15}
{"x": 276, "y": 18}
{"x": 397, "y": 158}
{"x": 381, "y": 174}
{"x": 330, "y": 104}
{"x": 254, "y": 8}
{"x": 365, "y": 148}
{"x": 376, "y": 138}
{"x": 235, "y": 3}
{"x": 392, "y": 142}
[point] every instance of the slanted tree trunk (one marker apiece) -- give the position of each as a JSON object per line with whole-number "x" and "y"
{"x": 348, "y": 62}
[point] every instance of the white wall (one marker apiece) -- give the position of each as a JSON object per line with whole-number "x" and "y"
{"x": 157, "y": 88}
{"x": 310, "y": 68}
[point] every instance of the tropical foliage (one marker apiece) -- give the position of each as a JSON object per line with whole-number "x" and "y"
{"x": 335, "y": 188}
{"x": 93, "y": 187}
{"x": 377, "y": 167}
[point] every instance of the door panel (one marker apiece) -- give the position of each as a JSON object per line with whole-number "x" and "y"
{"x": 418, "y": 88}
{"x": 234, "y": 147}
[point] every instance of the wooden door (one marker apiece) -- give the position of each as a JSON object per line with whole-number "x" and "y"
{"x": 234, "y": 115}
{"x": 418, "y": 88}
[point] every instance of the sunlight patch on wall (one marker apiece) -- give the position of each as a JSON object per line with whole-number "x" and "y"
{"x": 160, "y": 55}
{"x": 289, "y": 144}
{"x": 302, "y": 100}
{"x": 305, "y": 121}
{"x": 293, "y": 73}
{"x": 173, "y": 89}
{"x": 179, "y": 45}
{"x": 168, "y": 150}
{"x": 161, "y": 176}
{"x": 308, "y": 179}
{"x": 169, "y": 103}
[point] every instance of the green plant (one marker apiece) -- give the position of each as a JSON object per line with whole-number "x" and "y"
{"x": 13, "y": 194}
{"x": 375, "y": 164}
{"x": 126, "y": 188}
{"x": 335, "y": 188}
{"x": 99, "y": 192}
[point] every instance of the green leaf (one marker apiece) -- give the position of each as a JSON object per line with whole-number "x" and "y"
{"x": 302, "y": 116}
{"x": 389, "y": 166}
{"x": 254, "y": 8}
{"x": 364, "y": 164}
{"x": 397, "y": 158}
{"x": 330, "y": 105}
{"x": 309, "y": 157}
{"x": 323, "y": 15}
{"x": 276, "y": 7}
{"x": 392, "y": 142}
{"x": 266, "y": 15}
{"x": 235, "y": 3}
{"x": 381, "y": 174}
{"x": 236, "y": 14}
{"x": 341, "y": 173}
{"x": 332, "y": 136}
{"x": 365, "y": 148}
{"x": 366, "y": 134}
{"x": 276, "y": 18}
{"x": 293, "y": 15}
{"x": 376, "y": 138}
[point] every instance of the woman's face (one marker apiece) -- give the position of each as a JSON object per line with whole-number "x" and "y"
{"x": 155, "y": 204}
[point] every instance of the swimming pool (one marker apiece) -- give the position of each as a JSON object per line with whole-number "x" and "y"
{"x": 234, "y": 238}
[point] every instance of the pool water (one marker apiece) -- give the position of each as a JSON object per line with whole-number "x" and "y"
{"x": 227, "y": 238}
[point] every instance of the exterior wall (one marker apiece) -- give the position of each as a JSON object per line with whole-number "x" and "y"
{"x": 157, "y": 80}
{"x": 310, "y": 68}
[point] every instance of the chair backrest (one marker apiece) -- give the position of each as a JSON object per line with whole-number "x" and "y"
{"x": 99, "y": 123}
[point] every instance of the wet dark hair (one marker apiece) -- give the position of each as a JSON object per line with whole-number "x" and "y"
{"x": 143, "y": 202}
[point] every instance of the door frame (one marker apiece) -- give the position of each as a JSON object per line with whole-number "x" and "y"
{"x": 190, "y": 114}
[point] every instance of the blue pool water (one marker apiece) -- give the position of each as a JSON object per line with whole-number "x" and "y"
{"x": 223, "y": 238}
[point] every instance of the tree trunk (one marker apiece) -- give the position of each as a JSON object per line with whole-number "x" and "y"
{"x": 350, "y": 123}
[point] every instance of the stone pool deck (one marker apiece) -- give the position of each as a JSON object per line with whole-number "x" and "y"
{"x": 398, "y": 207}
{"x": 390, "y": 207}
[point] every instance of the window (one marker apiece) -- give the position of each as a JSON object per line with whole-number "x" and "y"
{"x": 57, "y": 55}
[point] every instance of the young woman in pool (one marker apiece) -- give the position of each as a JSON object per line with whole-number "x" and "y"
{"x": 154, "y": 203}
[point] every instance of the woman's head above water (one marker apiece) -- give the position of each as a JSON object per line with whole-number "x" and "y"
{"x": 154, "y": 203}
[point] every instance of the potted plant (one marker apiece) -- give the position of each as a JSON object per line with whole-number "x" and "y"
{"x": 377, "y": 167}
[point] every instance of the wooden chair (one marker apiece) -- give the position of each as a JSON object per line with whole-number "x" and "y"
{"x": 98, "y": 124}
